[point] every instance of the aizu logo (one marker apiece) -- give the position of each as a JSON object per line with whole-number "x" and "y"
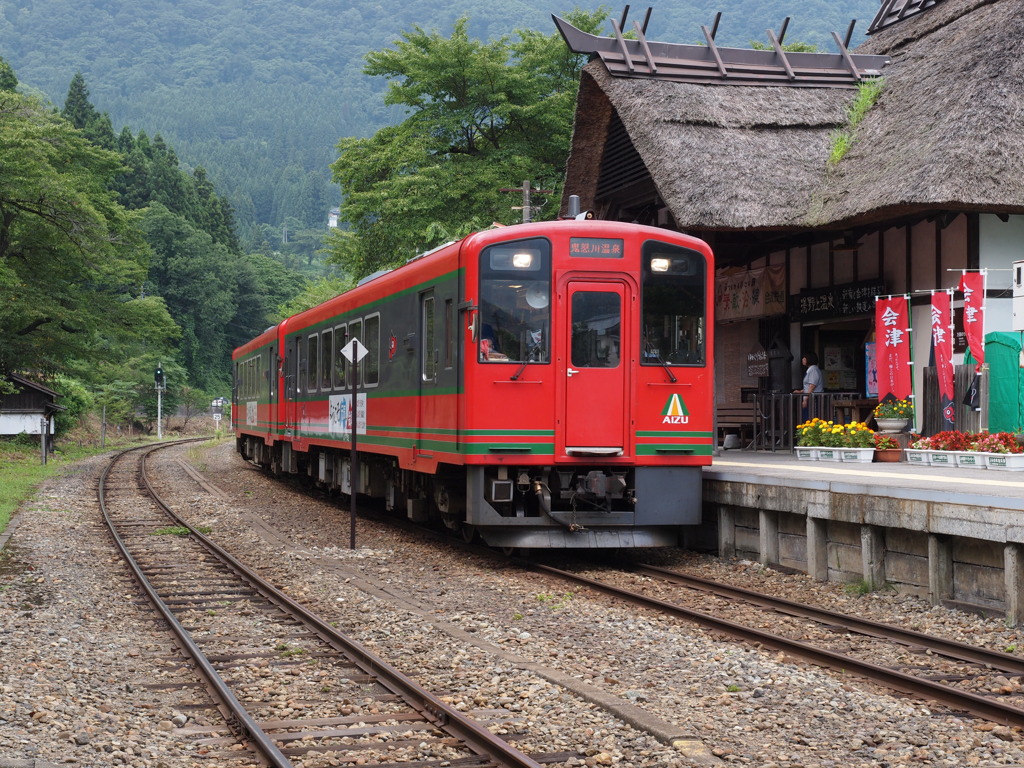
{"x": 675, "y": 411}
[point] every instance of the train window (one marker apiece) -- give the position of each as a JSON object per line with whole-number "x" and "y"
{"x": 515, "y": 302}
{"x": 596, "y": 329}
{"x": 340, "y": 363}
{"x": 326, "y": 348}
{"x": 429, "y": 354}
{"x": 449, "y": 333}
{"x": 371, "y": 340}
{"x": 673, "y": 305}
{"x": 312, "y": 358}
{"x": 272, "y": 372}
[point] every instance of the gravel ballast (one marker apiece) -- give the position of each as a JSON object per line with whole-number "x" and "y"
{"x": 86, "y": 673}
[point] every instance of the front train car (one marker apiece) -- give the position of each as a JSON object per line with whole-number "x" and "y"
{"x": 588, "y": 384}
{"x": 544, "y": 385}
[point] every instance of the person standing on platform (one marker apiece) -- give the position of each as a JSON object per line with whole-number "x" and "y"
{"x": 814, "y": 382}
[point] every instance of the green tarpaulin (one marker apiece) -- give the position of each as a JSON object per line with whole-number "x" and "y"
{"x": 1005, "y": 382}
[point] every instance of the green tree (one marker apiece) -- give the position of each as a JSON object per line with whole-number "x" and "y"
{"x": 80, "y": 112}
{"x": 188, "y": 270}
{"x": 481, "y": 116}
{"x": 8, "y": 81}
{"x": 71, "y": 259}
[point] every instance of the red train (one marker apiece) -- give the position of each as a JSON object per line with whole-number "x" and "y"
{"x": 542, "y": 385}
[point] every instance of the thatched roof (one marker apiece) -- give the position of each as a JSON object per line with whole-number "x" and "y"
{"x": 945, "y": 133}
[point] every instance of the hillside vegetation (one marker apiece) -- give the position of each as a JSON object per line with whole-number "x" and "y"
{"x": 259, "y": 92}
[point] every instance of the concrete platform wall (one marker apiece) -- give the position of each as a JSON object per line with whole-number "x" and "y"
{"x": 917, "y": 547}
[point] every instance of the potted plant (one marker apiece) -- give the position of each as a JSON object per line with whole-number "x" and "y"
{"x": 808, "y": 439}
{"x": 1001, "y": 451}
{"x": 833, "y": 437}
{"x": 858, "y": 443}
{"x": 945, "y": 444}
{"x": 919, "y": 450}
{"x": 893, "y": 415}
{"x": 887, "y": 449}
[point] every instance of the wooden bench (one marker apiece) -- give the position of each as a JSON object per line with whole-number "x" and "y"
{"x": 736, "y": 417}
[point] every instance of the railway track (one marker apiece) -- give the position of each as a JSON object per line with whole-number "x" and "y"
{"x": 924, "y": 666}
{"x": 287, "y": 683}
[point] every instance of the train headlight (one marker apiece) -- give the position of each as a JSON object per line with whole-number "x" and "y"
{"x": 522, "y": 260}
{"x": 660, "y": 265}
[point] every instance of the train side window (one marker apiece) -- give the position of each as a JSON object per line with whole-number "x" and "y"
{"x": 429, "y": 356}
{"x": 673, "y": 305}
{"x": 340, "y": 363}
{"x": 371, "y": 340}
{"x": 355, "y": 331}
{"x": 326, "y": 348}
{"x": 515, "y": 302}
{"x": 272, "y": 372}
{"x": 449, "y": 333}
{"x": 312, "y": 358}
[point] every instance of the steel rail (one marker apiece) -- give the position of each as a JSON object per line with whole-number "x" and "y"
{"x": 443, "y": 716}
{"x": 945, "y": 694}
{"x": 236, "y": 714}
{"x": 941, "y": 646}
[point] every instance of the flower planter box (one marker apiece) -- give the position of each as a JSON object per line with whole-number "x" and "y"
{"x": 972, "y": 459}
{"x": 829, "y": 454}
{"x": 803, "y": 453}
{"x": 1011, "y": 462}
{"x": 883, "y": 455}
{"x": 918, "y": 456}
{"x": 857, "y": 455}
{"x": 942, "y": 458}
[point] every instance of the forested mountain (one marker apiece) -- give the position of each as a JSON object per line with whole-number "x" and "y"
{"x": 259, "y": 92}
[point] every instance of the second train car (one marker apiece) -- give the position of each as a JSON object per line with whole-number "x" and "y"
{"x": 544, "y": 385}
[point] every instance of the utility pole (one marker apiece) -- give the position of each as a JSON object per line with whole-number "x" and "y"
{"x": 525, "y": 189}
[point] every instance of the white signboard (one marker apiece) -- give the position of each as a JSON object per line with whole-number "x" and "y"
{"x": 354, "y": 351}
{"x": 340, "y": 418}
{"x": 252, "y": 413}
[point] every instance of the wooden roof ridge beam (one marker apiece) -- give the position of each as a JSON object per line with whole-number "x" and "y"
{"x": 781, "y": 53}
{"x": 646, "y": 47}
{"x": 709, "y": 35}
{"x": 622, "y": 45}
{"x": 848, "y": 59}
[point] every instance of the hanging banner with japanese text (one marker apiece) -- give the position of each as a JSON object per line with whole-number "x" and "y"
{"x": 892, "y": 337}
{"x": 942, "y": 350}
{"x": 973, "y": 286}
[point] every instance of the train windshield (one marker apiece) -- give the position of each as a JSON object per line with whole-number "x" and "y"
{"x": 673, "y": 303}
{"x": 515, "y": 302}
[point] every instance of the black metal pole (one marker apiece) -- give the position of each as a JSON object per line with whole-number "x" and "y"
{"x": 354, "y": 478}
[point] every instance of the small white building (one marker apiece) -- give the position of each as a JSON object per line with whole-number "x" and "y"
{"x": 30, "y": 410}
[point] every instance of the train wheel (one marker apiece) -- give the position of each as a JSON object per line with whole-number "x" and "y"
{"x": 523, "y": 552}
{"x": 468, "y": 533}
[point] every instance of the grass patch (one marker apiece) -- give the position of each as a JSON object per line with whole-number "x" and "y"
{"x": 22, "y": 471}
{"x": 867, "y": 94}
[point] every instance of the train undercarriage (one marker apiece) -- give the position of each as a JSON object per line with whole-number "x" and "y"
{"x": 572, "y": 506}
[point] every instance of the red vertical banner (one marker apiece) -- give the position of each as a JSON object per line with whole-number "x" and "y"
{"x": 973, "y": 286}
{"x": 942, "y": 351}
{"x": 892, "y": 338}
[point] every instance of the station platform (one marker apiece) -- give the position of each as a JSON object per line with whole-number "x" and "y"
{"x": 973, "y": 487}
{"x": 954, "y": 535}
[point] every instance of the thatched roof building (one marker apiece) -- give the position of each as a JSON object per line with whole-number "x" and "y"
{"x": 746, "y": 165}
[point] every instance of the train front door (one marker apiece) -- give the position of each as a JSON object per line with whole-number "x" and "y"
{"x": 596, "y": 409}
